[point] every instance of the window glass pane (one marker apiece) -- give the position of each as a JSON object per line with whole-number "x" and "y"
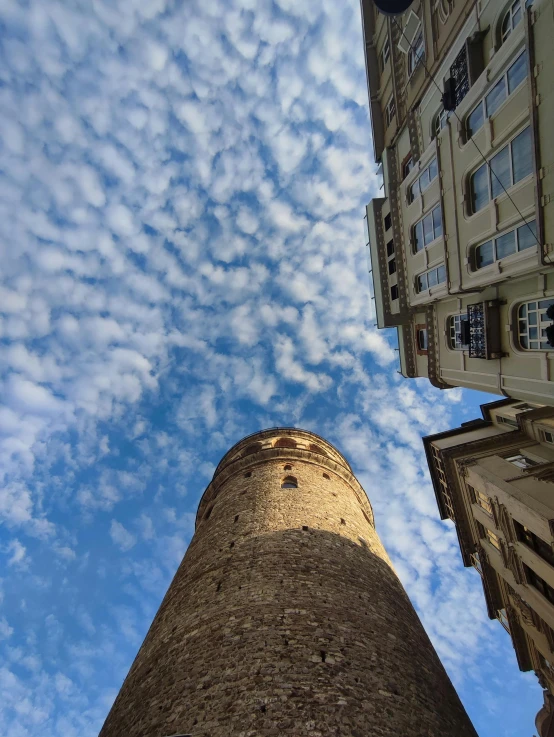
{"x": 437, "y": 222}
{"x": 484, "y": 255}
{"x": 496, "y": 97}
{"x": 526, "y": 236}
{"x": 433, "y": 278}
{"x": 506, "y": 245}
{"x": 475, "y": 120}
{"x": 418, "y": 231}
{"x": 422, "y": 282}
{"x": 441, "y": 274}
{"x": 480, "y": 188}
{"x": 414, "y": 190}
{"x": 428, "y": 229}
{"x": 424, "y": 180}
{"x": 522, "y": 156}
{"x": 500, "y": 166}
{"x": 516, "y": 17}
{"x": 517, "y": 72}
{"x": 433, "y": 170}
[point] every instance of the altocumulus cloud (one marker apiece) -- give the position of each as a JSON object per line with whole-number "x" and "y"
{"x": 181, "y": 199}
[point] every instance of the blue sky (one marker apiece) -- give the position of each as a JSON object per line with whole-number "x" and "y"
{"x": 182, "y": 188}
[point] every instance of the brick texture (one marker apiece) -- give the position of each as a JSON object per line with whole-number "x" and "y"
{"x": 285, "y": 616}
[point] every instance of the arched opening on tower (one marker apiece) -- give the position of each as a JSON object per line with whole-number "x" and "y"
{"x": 285, "y": 443}
{"x": 289, "y": 482}
{"x": 253, "y": 448}
{"x": 317, "y": 449}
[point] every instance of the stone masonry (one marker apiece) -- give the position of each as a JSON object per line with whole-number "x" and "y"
{"x": 285, "y": 616}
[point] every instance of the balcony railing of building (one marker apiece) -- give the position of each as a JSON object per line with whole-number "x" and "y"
{"x": 484, "y": 330}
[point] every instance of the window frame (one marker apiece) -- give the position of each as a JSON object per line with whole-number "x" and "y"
{"x": 429, "y": 214}
{"x": 384, "y": 55}
{"x": 493, "y": 241}
{"x": 452, "y": 332}
{"x": 420, "y": 329}
{"x": 487, "y": 166}
{"x": 390, "y": 109}
{"x": 411, "y": 189}
{"x": 509, "y": 13}
{"x": 545, "y": 438}
{"x": 521, "y": 461}
{"x": 523, "y": 318}
{"x": 440, "y": 119}
{"x": 469, "y": 132}
{"x": 417, "y": 45}
{"x": 426, "y": 273}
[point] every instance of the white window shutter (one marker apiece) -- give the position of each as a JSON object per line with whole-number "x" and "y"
{"x": 411, "y": 27}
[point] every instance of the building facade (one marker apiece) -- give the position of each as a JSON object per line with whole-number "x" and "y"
{"x": 285, "y": 616}
{"x": 461, "y": 238}
{"x": 494, "y": 478}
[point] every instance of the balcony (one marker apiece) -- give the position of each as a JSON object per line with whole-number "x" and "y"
{"x": 484, "y": 330}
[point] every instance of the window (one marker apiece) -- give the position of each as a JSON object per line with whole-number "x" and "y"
{"x": 431, "y": 278}
{"x": 482, "y": 500}
{"x": 476, "y": 563}
{"x": 390, "y": 248}
{"x": 317, "y": 449}
{"x": 506, "y": 245}
{"x": 512, "y": 17}
{"x": 394, "y": 292}
{"x": 510, "y": 165}
{"x": 388, "y": 221}
{"x": 424, "y": 180}
{"x": 428, "y": 229}
{"x": 458, "y": 330}
{"x": 503, "y": 619}
{"x": 522, "y": 461}
{"x": 384, "y": 56}
{"x": 392, "y": 266}
{"x": 548, "y": 437}
{"x": 289, "y": 482}
{"x": 439, "y": 121}
{"x": 507, "y": 420}
{"x": 285, "y": 443}
{"x": 422, "y": 339}
{"x": 532, "y": 325}
{"x": 493, "y": 538}
{"x": 390, "y": 110}
{"x": 535, "y": 580}
{"x": 288, "y": 467}
{"x": 407, "y": 166}
{"x": 416, "y": 53}
{"x": 539, "y": 546}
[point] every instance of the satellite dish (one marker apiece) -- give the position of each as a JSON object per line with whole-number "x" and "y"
{"x": 392, "y": 7}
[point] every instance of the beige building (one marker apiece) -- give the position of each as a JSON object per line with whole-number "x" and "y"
{"x": 494, "y": 478}
{"x": 461, "y": 238}
{"x": 285, "y": 617}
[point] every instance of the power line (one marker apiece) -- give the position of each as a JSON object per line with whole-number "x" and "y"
{"x": 487, "y": 163}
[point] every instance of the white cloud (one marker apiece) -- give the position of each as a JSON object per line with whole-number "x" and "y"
{"x": 121, "y": 537}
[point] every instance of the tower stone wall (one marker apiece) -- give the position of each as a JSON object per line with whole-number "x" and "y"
{"x": 285, "y": 616}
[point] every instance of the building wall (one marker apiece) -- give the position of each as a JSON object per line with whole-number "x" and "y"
{"x": 511, "y": 280}
{"x": 285, "y": 616}
{"x": 495, "y": 505}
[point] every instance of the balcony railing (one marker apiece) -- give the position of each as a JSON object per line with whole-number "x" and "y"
{"x": 484, "y": 330}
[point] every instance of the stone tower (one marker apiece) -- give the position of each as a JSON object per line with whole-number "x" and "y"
{"x": 285, "y": 617}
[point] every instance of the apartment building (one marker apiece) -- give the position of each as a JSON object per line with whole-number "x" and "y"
{"x": 494, "y": 478}
{"x": 461, "y": 236}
